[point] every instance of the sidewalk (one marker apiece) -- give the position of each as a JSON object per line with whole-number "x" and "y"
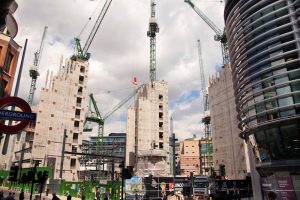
{"x": 6, "y": 191}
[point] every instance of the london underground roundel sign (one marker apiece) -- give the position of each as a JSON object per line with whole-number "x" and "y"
{"x": 24, "y": 117}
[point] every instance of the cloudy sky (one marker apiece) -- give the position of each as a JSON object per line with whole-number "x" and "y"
{"x": 120, "y": 50}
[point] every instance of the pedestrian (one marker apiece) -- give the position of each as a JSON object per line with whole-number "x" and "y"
{"x": 98, "y": 194}
{"x": 54, "y": 197}
{"x": 9, "y": 197}
{"x": 69, "y": 197}
{"x": 21, "y": 196}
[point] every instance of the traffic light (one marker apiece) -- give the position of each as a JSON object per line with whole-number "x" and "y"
{"x": 13, "y": 173}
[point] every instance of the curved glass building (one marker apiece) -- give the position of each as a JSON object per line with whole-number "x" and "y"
{"x": 264, "y": 45}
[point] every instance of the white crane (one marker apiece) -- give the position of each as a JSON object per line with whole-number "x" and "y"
{"x": 33, "y": 72}
{"x": 220, "y": 35}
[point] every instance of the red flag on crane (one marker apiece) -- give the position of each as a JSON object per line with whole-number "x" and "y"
{"x": 134, "y": 80}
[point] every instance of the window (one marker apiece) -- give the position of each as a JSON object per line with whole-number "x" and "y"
{"x": 269, "y": 94}
{"x": 160, "y": 115}
{"x": 297, "y": 98}
{"x": 78, "y": 101}
{"x": 82, "y": 69}
{"x": 283, "y": 90}
{"x": 160, "y": 97}
{"x": 76, "y": 124}
{"x": 160, "y": 124}
{"x": 281, "y": 80}
{"x": 287, "y": 113}
{"x": 73, "y": 162}
{"x": 74, "y": 149}
{"x": 161, "y": 135}
{"x": 160, "y": 107}
{"x": 258, "y": 98}
{"x": 80, "y": 90}
{"x": 271, "y": 104}
{"x": 8, "y": 61}
{"x": 75, "y": 136}
{"x": 161, "y": 145}
{"x": 296, "y": 86}
{"x": 81, "y": 79}
{"x": 77, "y": 112}
{"x": 260, "y": 108}
{"x": 285, "y": 101}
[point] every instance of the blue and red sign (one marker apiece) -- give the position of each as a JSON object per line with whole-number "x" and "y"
{"x": 24, "y": 117}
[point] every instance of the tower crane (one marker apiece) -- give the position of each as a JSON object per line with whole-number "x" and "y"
{"x": 220, "y": 35}
{"x": 206, "y": 118}
{"x": 82, "y": 53}
{"x": 96, "y": 116}
{"x": 202, "y": 79}
{"x": 33, "y": 72}
{"x": 153, "y": 29}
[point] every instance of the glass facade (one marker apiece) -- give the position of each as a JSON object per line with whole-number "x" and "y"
{"x": 264, "y": 46}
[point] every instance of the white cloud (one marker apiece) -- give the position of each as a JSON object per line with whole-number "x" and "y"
{"x": 121, "y": 50}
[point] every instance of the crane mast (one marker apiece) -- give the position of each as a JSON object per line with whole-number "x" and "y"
{"x": 202, "y": 79}
{"x": 33, "y": 72}
{"x": 153, "y": 29}
{"x": 220, "y": 35}
{"x": 82, "y": 53}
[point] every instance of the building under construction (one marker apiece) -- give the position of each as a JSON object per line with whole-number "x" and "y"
{"x": 147, "y": 141}
{"x": 148, "y": 131}
{"x": 62, "y": 106}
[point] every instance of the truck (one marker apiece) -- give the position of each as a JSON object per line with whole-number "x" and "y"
{"x": 202, "y": 187}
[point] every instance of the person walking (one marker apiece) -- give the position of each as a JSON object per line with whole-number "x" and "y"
{"x": 1, "y": 195}
{"x": 21, "y": 196}
{"x": 98, "y": 194}
{"x": 54, "y": 197}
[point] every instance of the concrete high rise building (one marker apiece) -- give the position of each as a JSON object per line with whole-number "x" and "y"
{"x": 61, "y": 107}
{"x": 147, "y": 137}
{"x": 263, "y": 41}
{"x": 228, "y": 148}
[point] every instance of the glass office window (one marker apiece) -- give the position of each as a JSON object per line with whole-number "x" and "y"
{"x": 269, "y": 93}
{"x": 258, "y": 98}
{"x": 262, "y": 146}
{"x": 287, "y": 113}
{"x": 283, "y": 90}
{"x": 271, "y": 104}
{"x": 286, "y": 101}
{"x": 294, "y": 75}
{"x": 296, "y": 98}
{"x": 260, "y": 107}
{"x": 295, "y": 86}
{"x": 281, "y": 79}
{"x": 274, "y": 141}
